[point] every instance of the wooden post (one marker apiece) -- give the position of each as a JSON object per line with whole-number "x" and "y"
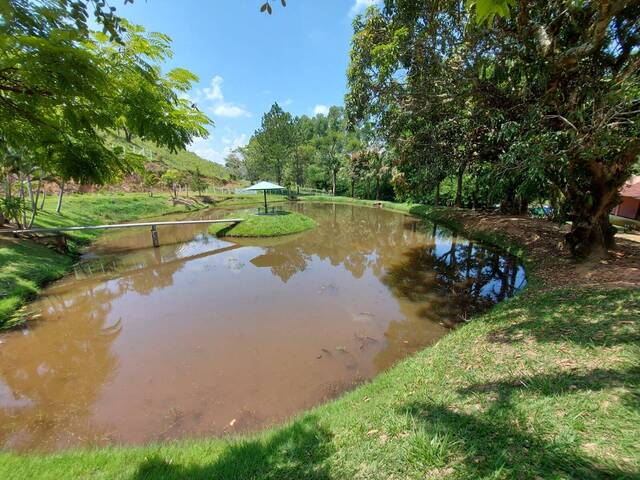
{"x": 154, "y": 236}
{"x": 265, "y": 201}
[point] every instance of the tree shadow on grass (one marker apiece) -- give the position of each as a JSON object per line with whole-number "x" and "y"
{"x": 491, "y": 446}
{"x": 559, "y": 384}
{"x": 576, "y": 317}
{"x": 295, "y": 452}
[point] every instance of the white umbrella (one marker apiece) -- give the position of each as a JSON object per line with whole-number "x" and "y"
{"x": 264, "y": 186}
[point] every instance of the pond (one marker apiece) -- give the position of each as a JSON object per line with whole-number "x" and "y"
{"x": 205, "y": 337}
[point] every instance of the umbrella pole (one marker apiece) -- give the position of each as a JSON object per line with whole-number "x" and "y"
{"x": 265, "y": 201}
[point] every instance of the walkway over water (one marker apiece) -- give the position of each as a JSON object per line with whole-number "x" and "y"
{"x": 153, "y": 225}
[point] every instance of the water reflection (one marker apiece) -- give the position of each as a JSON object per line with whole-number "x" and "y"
{"x": 202, "y": 337}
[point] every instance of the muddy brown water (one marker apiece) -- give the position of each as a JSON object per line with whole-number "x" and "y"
{"x": 205, "y": 336}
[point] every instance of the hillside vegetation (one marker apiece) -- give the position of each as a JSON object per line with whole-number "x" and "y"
{"x": 183, "y": 160}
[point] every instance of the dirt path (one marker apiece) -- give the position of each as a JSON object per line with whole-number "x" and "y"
{"x": 620, "y": 268}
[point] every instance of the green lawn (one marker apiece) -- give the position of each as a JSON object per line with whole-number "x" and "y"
{"x": 543, "y": 386}
{"x": 265, "y": 225}
{"x": 26, "y": 266}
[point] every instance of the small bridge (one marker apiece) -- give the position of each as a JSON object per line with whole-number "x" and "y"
{"x": 154, "y": 227}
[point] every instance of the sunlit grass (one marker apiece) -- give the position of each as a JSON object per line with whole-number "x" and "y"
{"x": 286, "y": 223}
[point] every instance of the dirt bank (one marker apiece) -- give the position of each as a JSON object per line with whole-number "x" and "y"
{"x": 620, "y": 268}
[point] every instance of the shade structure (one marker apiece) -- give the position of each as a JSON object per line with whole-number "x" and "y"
{"x": 264, "y": 186}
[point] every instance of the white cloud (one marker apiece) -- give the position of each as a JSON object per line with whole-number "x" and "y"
{"x": 320, "y": 110}
{"x": 215, "y": 91}
{"x": 229, "y": 110}
{"x": 204, "y": 147}
{"x": 361, "y": 5}
{"x": 287, "y": 102}
{"x": 213, "y": 100}
{"x": 238, "y": 141}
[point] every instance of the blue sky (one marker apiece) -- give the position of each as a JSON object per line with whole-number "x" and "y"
{"x": 247, "y": 60}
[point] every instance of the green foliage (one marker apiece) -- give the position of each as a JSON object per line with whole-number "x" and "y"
{"x": 198, "y": 184}
{"x": 540, "y": 105}
{"x": 235, "y": 164}
{"x": 273, "y": 142}
{"x": 12, "y": 209}
{"x": 63, "y": 87}
{"x": 311, "y": 152}
{"x": 171, "y": 179}
{"x": 285, "y": 223}
{"x": 487, "y": 10}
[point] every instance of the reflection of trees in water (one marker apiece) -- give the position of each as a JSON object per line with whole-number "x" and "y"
{"x": 355, "y": 237}
{"x": 54, "y": 373}
{"x": 439, "y": 270}
{"x": 454, "y": 278}
{"x": 436, "y": 275}
{"x": 447, "y": 280}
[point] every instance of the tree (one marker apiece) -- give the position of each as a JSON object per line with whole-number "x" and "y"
{"x": 302, "y": 151}
{"x": 171, "y": 179}
{"x": 538, "y": 99}
{"x": 274, "y": 141}
{"x": 149, "y": 180}
{"x": 62, "y": 87}
{"x": 577, "y": 68}
{"x": 198, "y": 184}
{"x": 332, "y": 143}
{"x": 235, "y": 163}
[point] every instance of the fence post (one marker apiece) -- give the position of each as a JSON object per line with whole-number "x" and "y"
{"x": 154, "y": 236}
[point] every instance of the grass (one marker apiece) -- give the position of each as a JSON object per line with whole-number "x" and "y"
{"x": 286, "y": 223}
{"x": 543, "y": 386}
{"x": 26, "y": 266}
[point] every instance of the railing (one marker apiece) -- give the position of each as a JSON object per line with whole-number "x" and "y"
{"x": 153, "y": 225}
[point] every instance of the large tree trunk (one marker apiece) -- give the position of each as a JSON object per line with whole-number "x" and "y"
{"x": 59, "y": 206}
{"x": 460, "y": 174}
{"x": 590, "y": 234}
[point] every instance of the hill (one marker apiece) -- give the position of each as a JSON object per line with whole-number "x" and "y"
{"x": 162, "y": 159}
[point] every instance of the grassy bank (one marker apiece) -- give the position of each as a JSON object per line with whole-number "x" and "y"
{"x": 25, "y": 266}
{"x": 287, "y": 223}
{"x": 545, "y": 385}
